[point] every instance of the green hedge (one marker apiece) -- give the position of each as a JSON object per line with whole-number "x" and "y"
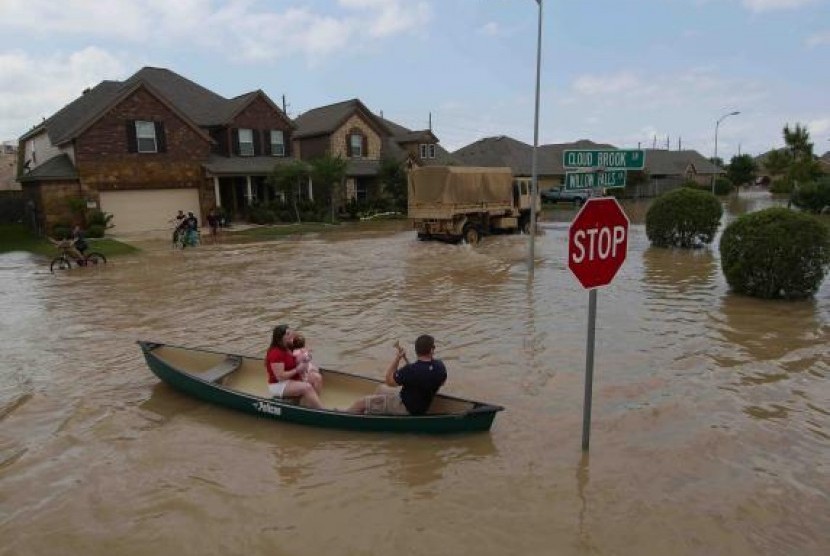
{"x": 813, "y": 197}
{"x": 775, "y": 253}
{"x": 684, "y": 217}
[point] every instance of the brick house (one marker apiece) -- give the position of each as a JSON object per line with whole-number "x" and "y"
{"x": 143, "y": 148}
{"x": 350, "y": 130}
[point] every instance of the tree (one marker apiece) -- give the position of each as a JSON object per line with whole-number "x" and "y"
{"x": 803, "y": 167}
{"x": 330, "y": 173}
{"x": 287, "y": 179}
{"x": 742, "y": 169}
{"x": 813, "y": 196}
{"x": 393, "y": 177}
{"x": 777, "y": 162}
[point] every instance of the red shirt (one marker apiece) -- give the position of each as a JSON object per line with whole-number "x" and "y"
{"x": 277, "y": 355}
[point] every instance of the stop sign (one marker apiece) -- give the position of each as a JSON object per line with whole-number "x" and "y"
{"x": 598, "y": 242}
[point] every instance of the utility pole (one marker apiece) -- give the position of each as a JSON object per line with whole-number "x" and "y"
{"x": 534, "y": 184}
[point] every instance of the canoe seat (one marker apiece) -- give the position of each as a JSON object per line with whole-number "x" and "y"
{"x": 230, "y": 364}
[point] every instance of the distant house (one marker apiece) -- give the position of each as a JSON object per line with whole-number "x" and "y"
{"x": 145, "y": 147}
{"x": 665, "y": 169}
{"x": 668, "y": 169}
{"x": 350, "y": 130}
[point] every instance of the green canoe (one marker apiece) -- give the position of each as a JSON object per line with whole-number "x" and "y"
{"x": 238, "y": 382}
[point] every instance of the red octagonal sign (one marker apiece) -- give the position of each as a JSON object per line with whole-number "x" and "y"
{"x": 598, "y": 242}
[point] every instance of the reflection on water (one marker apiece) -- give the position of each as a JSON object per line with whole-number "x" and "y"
{"x": 699, "y": 395}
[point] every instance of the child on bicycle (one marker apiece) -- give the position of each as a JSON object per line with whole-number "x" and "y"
{"x": 67, "y": 245}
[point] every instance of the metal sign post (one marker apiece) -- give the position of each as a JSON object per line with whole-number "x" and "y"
{"x": 597, "y": 247}
{"x": 589, "y": 369}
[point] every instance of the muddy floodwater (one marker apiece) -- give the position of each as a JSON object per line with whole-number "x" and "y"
{"x": 711, "y": 412}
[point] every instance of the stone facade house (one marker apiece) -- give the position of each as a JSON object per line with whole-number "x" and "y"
{"x": 350, "y": 130}
{"x": 142, "y": 148}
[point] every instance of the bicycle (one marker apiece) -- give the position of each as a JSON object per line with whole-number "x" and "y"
{"x": 186, "y": 238}
{"x": 65, "y": 260}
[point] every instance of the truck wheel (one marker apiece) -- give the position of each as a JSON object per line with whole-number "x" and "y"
{"x": 423, "y": 237}
{"x": 471, "y": 234}
{"x": 524, "y": 225}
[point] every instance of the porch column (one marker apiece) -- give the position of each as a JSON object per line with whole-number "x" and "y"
{"x": 216, "y": 192}
{"x": 249, "y": 193}
{"x": 310, "y": 190}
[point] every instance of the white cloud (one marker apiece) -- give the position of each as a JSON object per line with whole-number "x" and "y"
{"x": 606, "y": 84}
{"x": 259, "y": 31}
{"x": 491, "y": 29}
{"x": 40, "y": 87}
{"x": 771, "y": 5}
{"x": 819, "y": 132}
{"x": 818, "y": 39}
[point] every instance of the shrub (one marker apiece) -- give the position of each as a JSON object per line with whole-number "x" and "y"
{"x": 723, "y": 186}
{"x": 780, "y": 185}
{"x": 775, "y": 253}
{"x": 814, "y": 196}
{"x": 260, "y": 215}
{"x": 61, "y": 230}
{"x": 99, "y": 218}
{"x": 684, "y": 217}
{"x": 95, "y": 231}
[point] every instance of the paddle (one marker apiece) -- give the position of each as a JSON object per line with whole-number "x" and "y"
{"x": 401, "y": 350}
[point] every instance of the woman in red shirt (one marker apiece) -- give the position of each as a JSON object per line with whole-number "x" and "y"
{"x": 280, "y": 367}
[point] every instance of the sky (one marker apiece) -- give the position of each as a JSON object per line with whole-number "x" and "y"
{"x": 633, "y": 73}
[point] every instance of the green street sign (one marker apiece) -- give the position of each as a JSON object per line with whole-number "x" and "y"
{"x": 588, "y": 180}
{"x": 617, "y": 159}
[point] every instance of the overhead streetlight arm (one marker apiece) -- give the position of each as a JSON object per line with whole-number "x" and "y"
{"x": 715, "y": 158}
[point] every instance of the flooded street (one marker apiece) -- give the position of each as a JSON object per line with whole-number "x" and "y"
{"x": 711, "y": 412}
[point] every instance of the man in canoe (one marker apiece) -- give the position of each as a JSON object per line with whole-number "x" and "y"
{"x": 281, "y": 368}
{"x": 418, "y": 382}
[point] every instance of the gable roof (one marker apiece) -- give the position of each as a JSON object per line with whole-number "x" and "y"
{"x": 195, "y": 104}
{"x": 58, "y": 167}
{"x": 327, "y": 119}
{"x": 672, "y": 163}
{"x": 400, "y": 134}
{"x": 498, "y": 151}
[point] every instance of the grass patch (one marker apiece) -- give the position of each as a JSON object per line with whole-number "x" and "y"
{"x": 16, "y": 237}
{"x": 265, "y": 233}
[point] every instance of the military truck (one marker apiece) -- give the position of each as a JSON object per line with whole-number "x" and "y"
{"x": 455, "y": 203}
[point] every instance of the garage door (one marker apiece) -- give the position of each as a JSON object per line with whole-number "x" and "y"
{"x": 147, "y": 209}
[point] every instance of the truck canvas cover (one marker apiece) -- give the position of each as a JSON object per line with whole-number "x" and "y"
{"x": 436, "y": 189}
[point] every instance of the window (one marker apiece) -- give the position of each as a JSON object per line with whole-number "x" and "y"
{"x": 246, "y": 142}
{"x": 427, "y": 150}
{"x": 145, "y": 133}
{"x": 277, "y": 143}
{"x": 356, "y": 143}
{"x": 361, "y": 192}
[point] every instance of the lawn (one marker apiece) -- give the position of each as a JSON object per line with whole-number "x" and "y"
{"x": 16, "y": 237}
{"x": 265, "y": 233}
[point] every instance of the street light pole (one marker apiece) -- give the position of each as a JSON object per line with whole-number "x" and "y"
{"x": 715, "y": 161}
{"x": 534, "y": 186}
